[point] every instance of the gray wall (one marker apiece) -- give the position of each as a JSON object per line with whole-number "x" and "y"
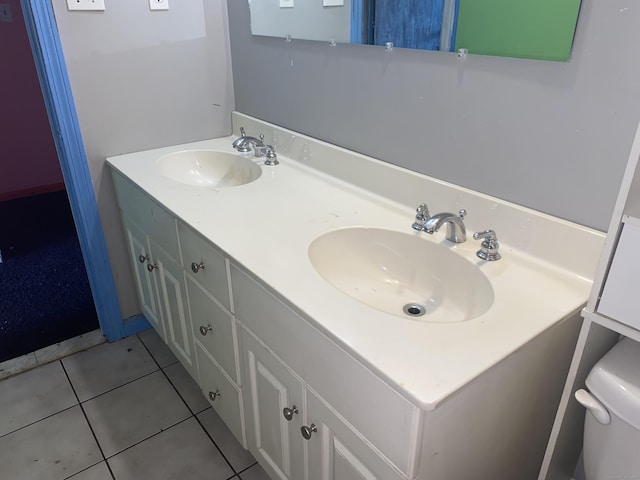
{"x": 551, "y": 136}
{"x": 305, "y": 20}
{"x": 142, "y": 80}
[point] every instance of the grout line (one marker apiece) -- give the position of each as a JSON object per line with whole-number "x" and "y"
{"x": 193, "y": 414}
{"x": 119, "y": 386}
{"x": 215, "y": 444}
{"x": 85, "y": 469}
{"x": 148, "y": 438}
{"x": 250, "y": 466}
{"x": 87, "y": 420}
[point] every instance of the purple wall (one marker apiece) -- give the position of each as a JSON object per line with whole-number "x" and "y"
{"x": 28, "y": 160}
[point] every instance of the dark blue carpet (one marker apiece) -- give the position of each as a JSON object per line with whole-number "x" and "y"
{"x": 44, "y": 291}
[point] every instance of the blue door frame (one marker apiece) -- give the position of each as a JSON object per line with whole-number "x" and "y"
{"x": 56, "y": 90}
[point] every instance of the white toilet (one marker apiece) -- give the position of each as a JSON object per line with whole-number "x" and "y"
{"x": 612, "y": 421}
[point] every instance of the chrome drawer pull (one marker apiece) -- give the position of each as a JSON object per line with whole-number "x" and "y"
{"x": 308, "y": 431}
{"x": 288, "y": 413}
{"x": 196, "y": 267}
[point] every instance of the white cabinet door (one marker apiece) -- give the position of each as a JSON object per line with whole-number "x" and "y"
{"x": 273, "y": 433}
{"x": 336, "y": 451}
{"x": 141, "y": 262}
{"x": 171, "y": 287}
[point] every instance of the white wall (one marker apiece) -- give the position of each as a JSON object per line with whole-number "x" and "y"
{"x": 142, "y": 80}
{"x": 307, "y": 19}
{"x": 551, "y": 136}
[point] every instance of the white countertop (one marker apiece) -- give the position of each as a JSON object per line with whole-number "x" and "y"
{"x": 266, "y": 226}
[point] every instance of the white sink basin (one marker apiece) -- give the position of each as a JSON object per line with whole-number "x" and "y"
{"x": 402, "y": 274}
{"x": 208, "y": 168}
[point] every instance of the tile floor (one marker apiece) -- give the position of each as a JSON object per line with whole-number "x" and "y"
{"x": 119, "y": 411}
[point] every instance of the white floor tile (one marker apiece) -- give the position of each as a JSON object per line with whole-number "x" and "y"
{"x": 236, "y": 455}
{"x": 34, "y": 395}
{"x": 181, "y": 452}
{"x": 129, "y": 414}
{"x": 108, "y": 366}
{"x": 187, "y": 388}
{"x": 51, "y": 449}
{"x": 159, "y": 350}
{"x": 254, "y": 473}
{"x": 97, "y": 472}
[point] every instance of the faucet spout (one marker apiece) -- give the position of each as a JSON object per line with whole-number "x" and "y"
{"x": 456, "y": 231}
{"x": 244, "y": 144}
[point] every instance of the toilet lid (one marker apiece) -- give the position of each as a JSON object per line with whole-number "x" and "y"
{"x": 615, "y": 381}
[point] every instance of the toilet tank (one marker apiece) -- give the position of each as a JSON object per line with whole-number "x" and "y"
{"x": 612, "y": 445}
{"x": 615, "y": 381}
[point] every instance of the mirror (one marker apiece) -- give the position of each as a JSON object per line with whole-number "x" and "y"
{"x": 540, "y": 29}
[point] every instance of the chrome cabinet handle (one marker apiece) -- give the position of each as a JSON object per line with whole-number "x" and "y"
{"x": 308, "y": 431}
{"x": 151, "y": 267}
{"x": 288, "y": 413}
{"x": 204, "y": 330}
{"x": 196, "y": 267}
{"x": 214, "y": 395}
{"x": 143, "y": 258}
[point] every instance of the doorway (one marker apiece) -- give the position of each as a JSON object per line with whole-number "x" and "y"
{"x": 44, "y": 289}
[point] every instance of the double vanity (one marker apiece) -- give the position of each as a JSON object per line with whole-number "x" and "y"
{"x": 335, "y": 340}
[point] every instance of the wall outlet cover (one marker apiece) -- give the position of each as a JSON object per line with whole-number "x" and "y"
{"x": 85, "y": 5}
{"x": 158, "y": 4}
{"x": 286, "y": 3}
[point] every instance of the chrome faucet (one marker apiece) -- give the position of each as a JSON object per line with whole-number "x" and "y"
{"x": 456, "y": 231}
{"x": 245, "y": 143}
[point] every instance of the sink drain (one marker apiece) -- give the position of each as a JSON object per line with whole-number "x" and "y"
{"x": 414, "y": 309}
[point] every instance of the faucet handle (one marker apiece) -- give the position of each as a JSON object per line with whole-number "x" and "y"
{"x": 422, "y": 211}
{"x": 270, "y": 157}
{"x": 422, "y": 215}
{"x": 489, "y": 246}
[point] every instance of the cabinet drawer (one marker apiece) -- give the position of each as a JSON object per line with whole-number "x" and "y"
{"x": 374, "y": 408}
{"x": 154, "y": 220}
{"x": 620, "y": 299}
{"x": 224, "y": 396}
{"x": 196, "y": 250}
{"x": 220, "y": 340}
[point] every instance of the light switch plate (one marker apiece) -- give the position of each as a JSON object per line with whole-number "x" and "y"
{"x": 286, "y": 3}
{"x": 333, "y": 3}
{"x": 85, "y": 5}
{"x": 5, "y": 16}
{"x": 158, "y": 4}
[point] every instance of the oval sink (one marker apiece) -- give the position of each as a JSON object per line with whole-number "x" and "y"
{"x": 402, "y": 274}
{"x": 208, "y": 168}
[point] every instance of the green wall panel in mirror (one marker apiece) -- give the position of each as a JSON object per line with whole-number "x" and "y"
{"x": 540, "y": 29}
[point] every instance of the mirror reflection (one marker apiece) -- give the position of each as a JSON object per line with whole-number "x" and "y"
{"x": 540, "y": 29}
